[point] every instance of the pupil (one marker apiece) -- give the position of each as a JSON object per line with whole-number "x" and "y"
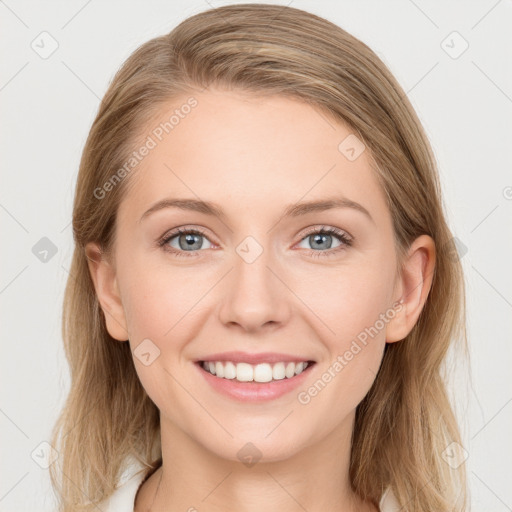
{"x": 318, "y": 238}
{"x": 190, "y": 240}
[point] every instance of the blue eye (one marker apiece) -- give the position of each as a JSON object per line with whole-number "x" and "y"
{"x": 322, "y": 239}
{"x": 190, "y": 241}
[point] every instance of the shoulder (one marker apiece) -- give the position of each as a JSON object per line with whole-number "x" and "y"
{"x": 123, "y": 498}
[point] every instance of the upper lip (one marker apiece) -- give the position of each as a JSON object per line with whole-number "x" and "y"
{"x": 244, "y": 357}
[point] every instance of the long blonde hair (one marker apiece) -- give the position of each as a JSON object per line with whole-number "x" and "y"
{"x": 405, "y": 422}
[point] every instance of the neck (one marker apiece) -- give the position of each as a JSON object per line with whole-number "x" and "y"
{"x": 192, "y": 478}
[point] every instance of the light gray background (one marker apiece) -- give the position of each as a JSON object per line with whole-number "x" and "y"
{"x": 48, "y": 105}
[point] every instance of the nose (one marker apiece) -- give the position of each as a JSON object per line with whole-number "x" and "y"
{"x": 255, "y": 295}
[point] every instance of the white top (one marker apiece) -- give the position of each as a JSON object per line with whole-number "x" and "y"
{"x": 123, "y": 498}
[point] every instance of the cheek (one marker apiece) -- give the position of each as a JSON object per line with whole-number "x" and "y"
{"x": 157, "y": 295}
{"x": 159, "y": 304}
{"x": 349, "y": 299}
{"x": 351, "y": 308}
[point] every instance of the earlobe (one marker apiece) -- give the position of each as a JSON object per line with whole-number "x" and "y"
{"x": 413, "y": 287}
{"x": 105, "y": 283}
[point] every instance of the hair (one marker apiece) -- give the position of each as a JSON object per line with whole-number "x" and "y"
{"x": 406, "y": 421}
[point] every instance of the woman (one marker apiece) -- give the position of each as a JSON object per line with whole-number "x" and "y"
{"x": 263, "y": 288}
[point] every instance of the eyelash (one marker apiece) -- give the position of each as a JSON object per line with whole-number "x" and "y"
{"x": 346, "y": 241}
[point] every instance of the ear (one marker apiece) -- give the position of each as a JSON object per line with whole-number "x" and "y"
{"x": 413, "y": 287}
{"x": 105, "y": 283}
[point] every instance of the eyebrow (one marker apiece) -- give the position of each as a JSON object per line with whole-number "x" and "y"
{"x": 293, "y": 210}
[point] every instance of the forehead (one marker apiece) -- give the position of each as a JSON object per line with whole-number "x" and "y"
{"x": 240, "y": 148}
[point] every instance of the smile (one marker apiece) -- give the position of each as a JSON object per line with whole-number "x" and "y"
{"x": 245, "y": 372}
{"x": 259, "y": 382}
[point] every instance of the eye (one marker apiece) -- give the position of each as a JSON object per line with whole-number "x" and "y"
{"x": 322, "y": 239}
{"x": 187, "y": 240}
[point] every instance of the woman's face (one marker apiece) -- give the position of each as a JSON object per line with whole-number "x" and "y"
{"x": 259, "y": 278}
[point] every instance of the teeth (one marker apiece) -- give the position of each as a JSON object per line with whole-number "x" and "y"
{"x": 290, "y": 370}
{"x": 300, "y": 368}
{"x": 229, "y": 371}
{"x": 219, "y": 369}
{"x": 244, "y": 372}
{"x": 278, "y": 371}
{"x": 264, "y": 372}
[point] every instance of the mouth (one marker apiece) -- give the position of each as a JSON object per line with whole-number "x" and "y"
{"x": 257, "y": 373}
{"x": 251, "y": 383}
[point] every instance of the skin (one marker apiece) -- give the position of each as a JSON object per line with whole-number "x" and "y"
{"x": 253, "y": 156}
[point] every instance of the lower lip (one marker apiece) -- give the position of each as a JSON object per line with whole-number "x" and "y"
{"x": 254, "y": 391}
